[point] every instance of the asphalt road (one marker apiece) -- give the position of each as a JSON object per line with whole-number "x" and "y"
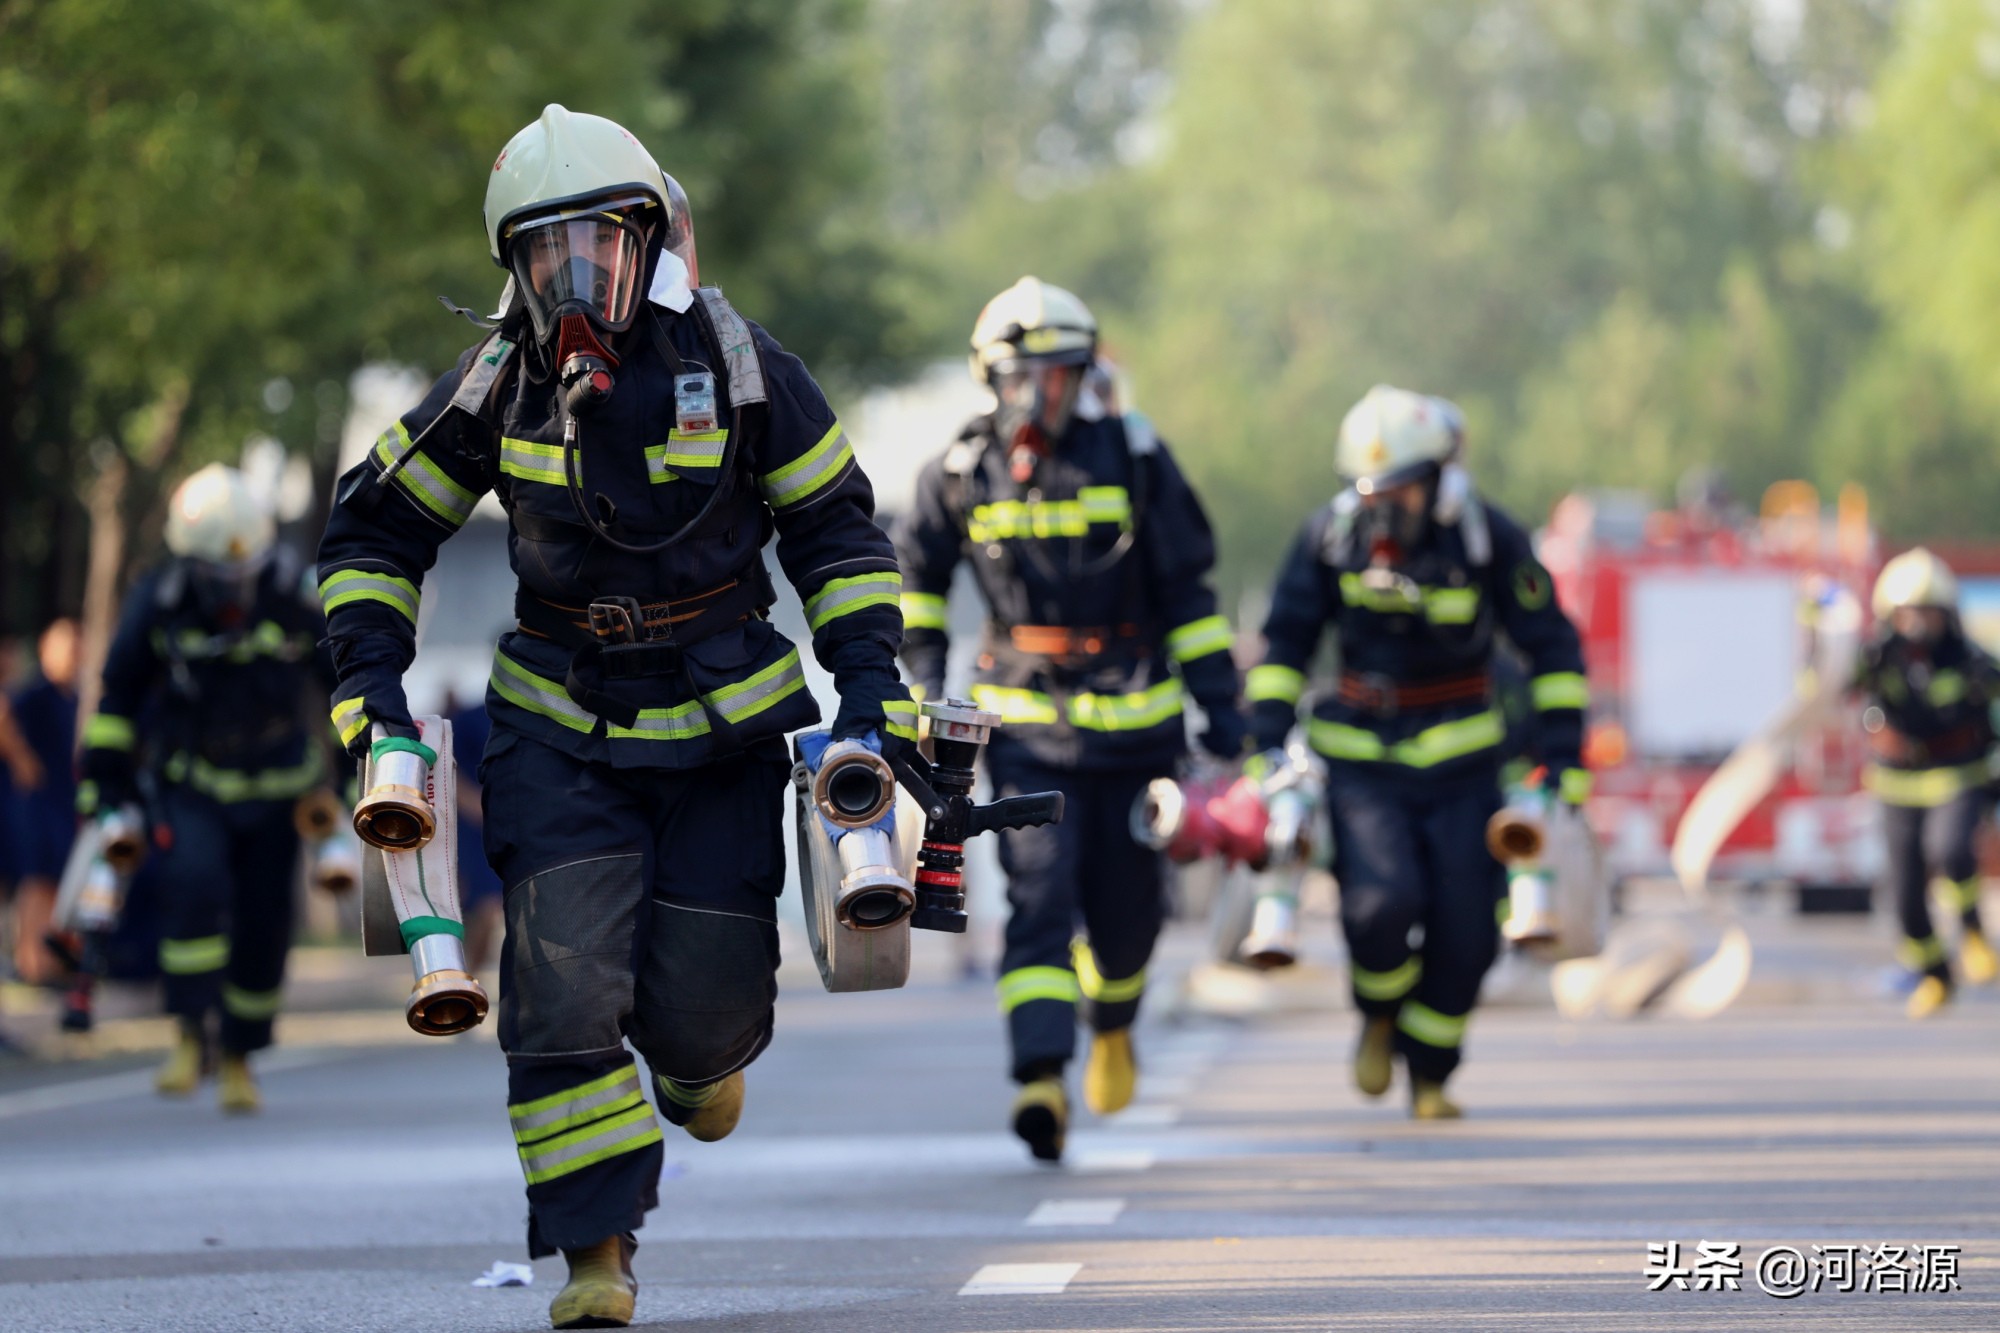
{"x": 871, "y": 1185}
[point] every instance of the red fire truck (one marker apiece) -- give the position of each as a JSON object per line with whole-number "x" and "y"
{"x": 1698, "y": 630}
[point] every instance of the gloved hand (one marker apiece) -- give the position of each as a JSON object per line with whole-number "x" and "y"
{"x": 857, "y": 720}
{"x": 1264, "y": 763}
{"x": 1572, "y": 785}
{"x": 815, "y": 747}
{"x": 1226, "y": 733}
{"x": 110, "y": 779}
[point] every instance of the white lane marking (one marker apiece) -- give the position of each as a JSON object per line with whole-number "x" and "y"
{"x": 1146, "y": 1116}
{"x": 133, "y": 1083}
{"x": 1106, "y": 1160}
{"x": 1020, "y": 1280}
{"x": 1076, "y": 1212}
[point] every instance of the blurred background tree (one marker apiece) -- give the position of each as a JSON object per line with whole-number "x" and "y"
{"x": 1631, "y": 237}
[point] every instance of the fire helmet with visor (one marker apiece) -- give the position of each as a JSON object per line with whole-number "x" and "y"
{"x": 1031, "y": 346}
{"x": 1916, "y": 579}
{"x": 1393, "y": 437}
{"x": 575, "y": 207}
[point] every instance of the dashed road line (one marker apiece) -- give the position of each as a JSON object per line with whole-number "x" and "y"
{"x": 1020, "y": 1280}
{"x": 1076, "y": 1213}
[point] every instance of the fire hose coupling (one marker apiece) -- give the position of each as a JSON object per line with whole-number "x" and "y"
{"x": 1262, "y": 819}
{"x": 854, "y": 793}
{"x": 395, "y": 814}
{"x": 447, "y": 999}
{"x": 1517, "y": 836}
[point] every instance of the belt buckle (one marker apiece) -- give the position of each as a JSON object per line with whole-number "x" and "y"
{"x": 616, "y": 620}
{"x": 1378, "y": 693}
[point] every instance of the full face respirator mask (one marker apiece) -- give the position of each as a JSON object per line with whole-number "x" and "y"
{"x": 581, "y": 275}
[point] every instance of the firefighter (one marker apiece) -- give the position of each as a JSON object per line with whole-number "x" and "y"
{"x": 1092, "y": 555}
{"x": 645, "y": 441}
{"x": 205, "y": 709}
{"x": 1416, "y": 575}
{"x": 1930, "y": 733}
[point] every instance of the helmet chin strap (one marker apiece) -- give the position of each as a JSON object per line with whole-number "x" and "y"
{"x": 584, "y": 366}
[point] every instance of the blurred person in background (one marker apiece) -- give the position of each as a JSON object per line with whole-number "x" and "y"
{"x": 1928, "y": 717}
{"x": 478, "y": 883}
{"x": 203, "y": 725}
{"x": 645, "y": 441}
{"x": 1092, "y": 554}
{"x": 42, "y": 809}
{"x": 1416, "y": 575}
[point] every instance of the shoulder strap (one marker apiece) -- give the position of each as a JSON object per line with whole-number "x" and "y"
{"x": 742, "y": 368}
{"x": 491, "y": 362}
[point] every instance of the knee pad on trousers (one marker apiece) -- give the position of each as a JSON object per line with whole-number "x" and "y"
{"x": 568, "y": 980}
{"x": 704, "y": 1004}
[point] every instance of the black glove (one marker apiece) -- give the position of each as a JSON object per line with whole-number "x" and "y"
{"x": 853, "y": 722}
{"x": 1226, "y": 733}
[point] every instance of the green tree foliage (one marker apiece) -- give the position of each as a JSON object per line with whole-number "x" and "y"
{"x": 202, "y": 198}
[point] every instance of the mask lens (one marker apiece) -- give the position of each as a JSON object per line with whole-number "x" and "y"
{"x": 584, "y": 264}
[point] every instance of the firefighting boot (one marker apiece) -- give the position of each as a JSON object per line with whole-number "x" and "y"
{"x": 1374, "y": 1055}
{"x": 1041, "y": 1117}
{"x": 1976, "y": 959}
{"x": 1932, "y": 994}
{"x": 708, "y": 1113}
{"x": 235, "y": 1090}
{"x": 1428, "y": 1102}
{"x": 601, "y": 1290}
{"x": 182, "y": 1070}
{"x": 1111, "y": 1075}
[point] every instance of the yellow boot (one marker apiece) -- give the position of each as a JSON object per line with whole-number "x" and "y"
{"x": 1041, "y": 1118}
{"x": 1111, "y": 1075}
{"x": 1428, "y": 1102}
{"x": 708, "y": 1113}
{"x": 1930, "y": 996}
{"x": 1975, "y": 958}
{"x": 1374, "y": 1056}
{"x": 181, "y": 1073}
{"x": 235, "y": 1090}
{"x": 601, "y": 1290}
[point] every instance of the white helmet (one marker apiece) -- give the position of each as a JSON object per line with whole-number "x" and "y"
{"x": 1393, "y": 436}
{"x": 563, "y": 180}
{"x": 1915, "y": 578}
{"x": 214, "y": 516}
{"x": 1032, "y": 320}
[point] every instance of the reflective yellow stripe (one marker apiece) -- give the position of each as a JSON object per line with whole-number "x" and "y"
{"x": 538, "y": 1119}
{"x": 350, "y": 719}
{"x": 688, "y": 1099}
{"x": 1093, "y": 984}
{"x": 899, "y": 718}
{"x": 565, "y": 1154}
{"x": 1429, "y": 747}
{"x": 1127, "y": 712}
{"x": 1946, "y": 688}
{"x": 108, "y": 731}
{"x": 233, "y": 785}
{"x": 182, "y": 958}
{"x": 1015, "y": 706}
{"x": 1279, "y": 683}
{"x": 1922, "y": 787}
{"x": 344, "y": 587}
{"x": 1960, "y": 895}
{"x": 1037, "y": 983}
{"x": 840, "y": 597}
{"x": 1560, "y": 689}
{"x": 430, "y": 486}
{"x": 1429, "y": 1026}
{"x": 923, "y": 610}
{"x": 1574, "y": 785}
{"x": 252, "y": 1004}
{"x": 532, "y": 462}
{"x": 1919, "y": 954}
{"x": 700, "y": 450}
{"x": 1451, "y": 606}
{"x": 1391, "y": 985}
{"x": 540, "y": 695}
{"x": 747, "y": 698}
{"x": 810, "y": 473}
{"x": 1050, "y": 518}
{"x": 1199, "y": 638}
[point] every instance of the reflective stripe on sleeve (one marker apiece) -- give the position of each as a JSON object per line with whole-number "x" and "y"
{"x": 923, "y": 610}
{"x": 1094, "y": 985}
{"x": 433, "y": 489}
{"x": 108, "y": 731}
{"x": 840, "y": 597}
{"x": 184, "y": 958}
{"x": 810, "y": 473}
{"x": 344, "y": 587}
{"x": 350, "y": 719}
{"x": 1427, "y": 1025}
{"x": 1279, "y": 683}
{"x": 1199, "y": 638}
{"x": 1560, "y": 689}
{"x": 1026, "y": 984}
{"x": 1391, "y": 985}
{"x": 899, "y": 718}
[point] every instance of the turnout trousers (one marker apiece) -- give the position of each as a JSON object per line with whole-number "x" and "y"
{"x": 641, "y": 906}
{"x": 1419, "y": 898}
{"x": 226, "y": 883}
{"x": 1086, "y": 903}
{"x": 1930, "y": 847}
